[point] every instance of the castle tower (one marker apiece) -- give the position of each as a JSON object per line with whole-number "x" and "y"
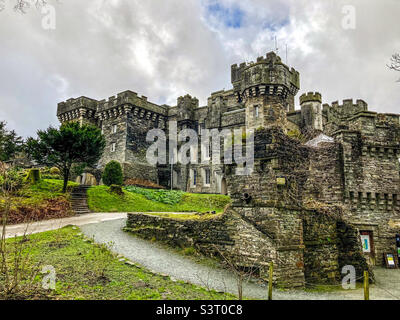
{"x": 82, "y": 109}
{"x": 186, "y": 108}
{"x": 311, "y": 110}
{"x": 267, "y": 88}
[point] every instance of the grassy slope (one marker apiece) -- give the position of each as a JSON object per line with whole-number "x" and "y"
{"x": 88, "y": 271}
{"x": 44, "y": 190}
{"x": 101, "y": 200}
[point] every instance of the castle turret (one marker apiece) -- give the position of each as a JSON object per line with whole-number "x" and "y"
{"x": 267, "y": 88}
{"x": 311, "y": 110}
{"x": 82, "y": 109}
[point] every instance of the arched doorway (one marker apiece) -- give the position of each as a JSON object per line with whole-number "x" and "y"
{"x": 224, "y": 189}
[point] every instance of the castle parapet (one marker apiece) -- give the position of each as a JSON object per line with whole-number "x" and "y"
{"x": 77, "y": 109}
{"x": 310, "y": 97}
{"x": 129, "y": 99}
{"x": 268, "y": 76}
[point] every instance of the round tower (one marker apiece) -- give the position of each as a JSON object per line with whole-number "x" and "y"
{"x": 267, "y": 88}
{"x": 311, "y": 110}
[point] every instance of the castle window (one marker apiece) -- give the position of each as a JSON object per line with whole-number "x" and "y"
{"x": 114, "y": 128}
{"x": 193, "y": 174}
{"x": 207, "y": 176}
{"x": 256, "y": 111}
{"x": 202, "y": 126}
{"x": 113, "y": 147}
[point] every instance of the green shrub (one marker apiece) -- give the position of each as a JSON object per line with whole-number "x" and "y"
{"x": 12, "y": 179}
{"x": 117, "y": 189}
{"x": 113, "y": 174}
{"x": 55, "y": 171}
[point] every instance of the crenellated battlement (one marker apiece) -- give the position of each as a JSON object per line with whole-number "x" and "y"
{"x": 75, "y": 104}
{"x": 310, "y": 97}
{"x": 188, "y": 101}
{"x": 347, "y": 108}
{"x": 268, "y": 76}
{"x": 77, "y": 109}
{"x": 132, "y": 99}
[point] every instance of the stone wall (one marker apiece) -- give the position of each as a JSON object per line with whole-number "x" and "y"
{"x": 321, "y": 251}
{"x": 302, "y": 244}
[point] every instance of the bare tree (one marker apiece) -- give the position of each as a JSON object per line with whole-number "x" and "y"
{"x": 395, "y": 63}
{"x": 241, "y": 267}
{"x": 17, "y": 268}
{"x": 22, "y": 6}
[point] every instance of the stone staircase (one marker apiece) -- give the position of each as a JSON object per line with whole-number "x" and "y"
{"x": 79, "y": 200}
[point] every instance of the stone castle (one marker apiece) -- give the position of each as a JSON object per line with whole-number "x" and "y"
{"x": 326, "y": 178}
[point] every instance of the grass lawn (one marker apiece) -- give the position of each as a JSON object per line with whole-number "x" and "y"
{"x": 45, "y": 189}
{"x": 88, "y": 271}
{"x": 101, "y": 200}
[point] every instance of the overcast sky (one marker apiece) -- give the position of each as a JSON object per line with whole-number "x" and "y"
{"x": 166, "y": 48}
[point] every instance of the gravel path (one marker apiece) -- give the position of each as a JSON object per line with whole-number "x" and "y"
{"x": 162, "y": 261}
{"x": 18, "y": 230}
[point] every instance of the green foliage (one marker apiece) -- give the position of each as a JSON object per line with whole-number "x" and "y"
{"x": 164, "y": 196}
{"x": 189, "y": 251}
{"x": 101, "y": 200}
{"x": 113, "y": 174}
{"x": 116, "y": 189}
{"x": 12, "y": 179}
{"x": 55, "y": 171}
{"x": 46, "y": 189}
{"x": 296, "y": 134}
{"x": 72, "y": 144}
{"x": 10, "y": 143}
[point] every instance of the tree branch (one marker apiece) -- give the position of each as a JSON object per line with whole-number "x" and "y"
{"x": 395, "y": 62}
{"x": 22, "y": 6}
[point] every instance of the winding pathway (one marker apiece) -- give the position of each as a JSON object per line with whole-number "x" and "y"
{"x": 107, "y": 228}
{"x": 161, "y": 260}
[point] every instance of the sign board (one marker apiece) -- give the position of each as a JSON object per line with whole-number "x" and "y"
{"x": 398, "y": 245}
{"x": 390, "y": 261}
{"x": 366, "y": 243}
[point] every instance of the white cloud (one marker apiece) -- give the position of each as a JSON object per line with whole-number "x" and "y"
{"x": 164, "y": 49}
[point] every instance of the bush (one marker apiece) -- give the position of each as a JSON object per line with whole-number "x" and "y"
{"x": 55, "y": 171}
{"x": 113, "y": 174}
{"x": 11, "y": 180}
{"x": 116, "y": 189}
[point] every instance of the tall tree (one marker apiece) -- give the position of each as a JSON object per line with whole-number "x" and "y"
{"x": 10, "y": 142}
{"x": 72, "y": 144}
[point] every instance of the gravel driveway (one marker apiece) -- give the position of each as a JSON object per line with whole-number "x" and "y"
{"x": 163, "y": 261}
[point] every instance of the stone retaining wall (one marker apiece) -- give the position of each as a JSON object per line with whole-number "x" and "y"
{"x": 305, "y": 246}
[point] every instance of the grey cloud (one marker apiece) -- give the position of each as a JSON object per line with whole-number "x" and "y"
{"x": 163, "y": 49}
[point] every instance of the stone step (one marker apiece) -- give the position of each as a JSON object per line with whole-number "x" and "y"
{"x": 79, "y": 200}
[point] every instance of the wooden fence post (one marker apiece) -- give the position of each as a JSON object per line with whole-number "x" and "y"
{"x": 271, "y": 271}
{"x": 366, "y": 285}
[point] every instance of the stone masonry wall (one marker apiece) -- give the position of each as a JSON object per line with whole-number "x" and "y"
{"x": 302, "y": 244}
